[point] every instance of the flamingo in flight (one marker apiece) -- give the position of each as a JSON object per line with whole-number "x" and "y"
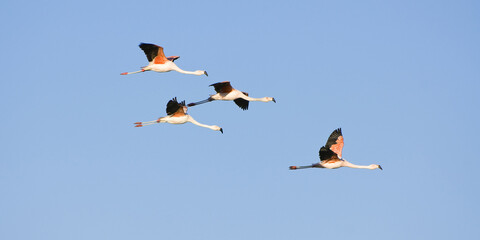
{"x": 226, "y": 92}
{"x": 331, "y": 155}
{"x": 159, "y": 63}
{"x": 177, "y": 114}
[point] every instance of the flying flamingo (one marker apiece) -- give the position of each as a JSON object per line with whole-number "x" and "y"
{"x": 177, "y": 114}
{"x": 331, "y": 155}
{"x": 159, "y": 63}
{"x": 226, "y": 92}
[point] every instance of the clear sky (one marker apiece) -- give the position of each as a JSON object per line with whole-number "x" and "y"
{"x": 401, "y": 78}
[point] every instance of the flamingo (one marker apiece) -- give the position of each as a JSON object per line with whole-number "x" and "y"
{"x": 331, "y": 155}
{"x": 159, "y": 63}
{"x": 177, "y": 114}
{"x": 226, "y": 92}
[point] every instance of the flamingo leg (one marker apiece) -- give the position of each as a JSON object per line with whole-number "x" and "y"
{"x": 315, "y": 165}
{"x": 200, "y": 102}
{"x": 126, "y": 73}
{"x": 141, "y": 124}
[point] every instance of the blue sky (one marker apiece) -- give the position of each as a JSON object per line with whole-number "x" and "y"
{"x": 401, "y": 78}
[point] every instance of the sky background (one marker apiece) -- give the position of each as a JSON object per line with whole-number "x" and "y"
{"x": 401, "y": 78}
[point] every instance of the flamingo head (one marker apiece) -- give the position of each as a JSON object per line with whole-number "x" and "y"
{"x": 201, "y": 72}
{"x": 216, "y": 128}
{"x": 374, "y": 166}
{"x": 268, "y": 99}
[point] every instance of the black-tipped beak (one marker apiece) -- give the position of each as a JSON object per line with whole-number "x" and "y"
{"x": 273, "y": 99}
{"x": 380, "y": 167}
{"x": 206, "y": 73}
{"x": 221, "y": 130}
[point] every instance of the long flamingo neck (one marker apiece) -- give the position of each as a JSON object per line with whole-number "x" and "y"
{"x": 264, "y": 99}
{"x": 190, "y": 119}
{"x": 176, "y": 68}
{"x": 351, "y": 165}
{"x": 187, "y": 72}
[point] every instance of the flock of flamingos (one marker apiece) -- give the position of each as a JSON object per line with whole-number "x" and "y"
{"x": 330, "y": 154}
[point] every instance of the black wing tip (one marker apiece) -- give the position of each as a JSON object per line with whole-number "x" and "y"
{"x": 213, "y": 84}
{"x": 244, "y": 107}
{"x": 143, "y": 45}
{"x": 146, "y": 44}
{"x": 176, "y": 101}
{"x": 149, "y": 47}
{"x": 338, "y": 131}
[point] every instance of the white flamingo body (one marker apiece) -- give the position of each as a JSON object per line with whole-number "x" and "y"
{"x": 175, "y": 120}
{"x": 225, "y": 92}
{"x": 331, "y": 165}
{"x": 159, "y": 63}
{"x": 166, "y": 67}
{"x": 177, "y": 114}
{"x": 331, "y": 155}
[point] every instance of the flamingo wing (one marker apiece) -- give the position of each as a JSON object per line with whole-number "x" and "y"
{"x": 154, "y": 53}
{"x": 335, "y": 142}
{"x": 242, "y": 103}
{"x": 327, "y": 154}
{"x": 174, "y": 107}
{"x": 173, "y": 58}
{"x": 222, "y": 87}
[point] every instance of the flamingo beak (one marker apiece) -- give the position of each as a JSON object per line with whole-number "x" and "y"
{"x": 221, "y": 130}
{"x": 205, "y": 72}
{"x": 273, "y": 99}
{"x": 380, "y": 167}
